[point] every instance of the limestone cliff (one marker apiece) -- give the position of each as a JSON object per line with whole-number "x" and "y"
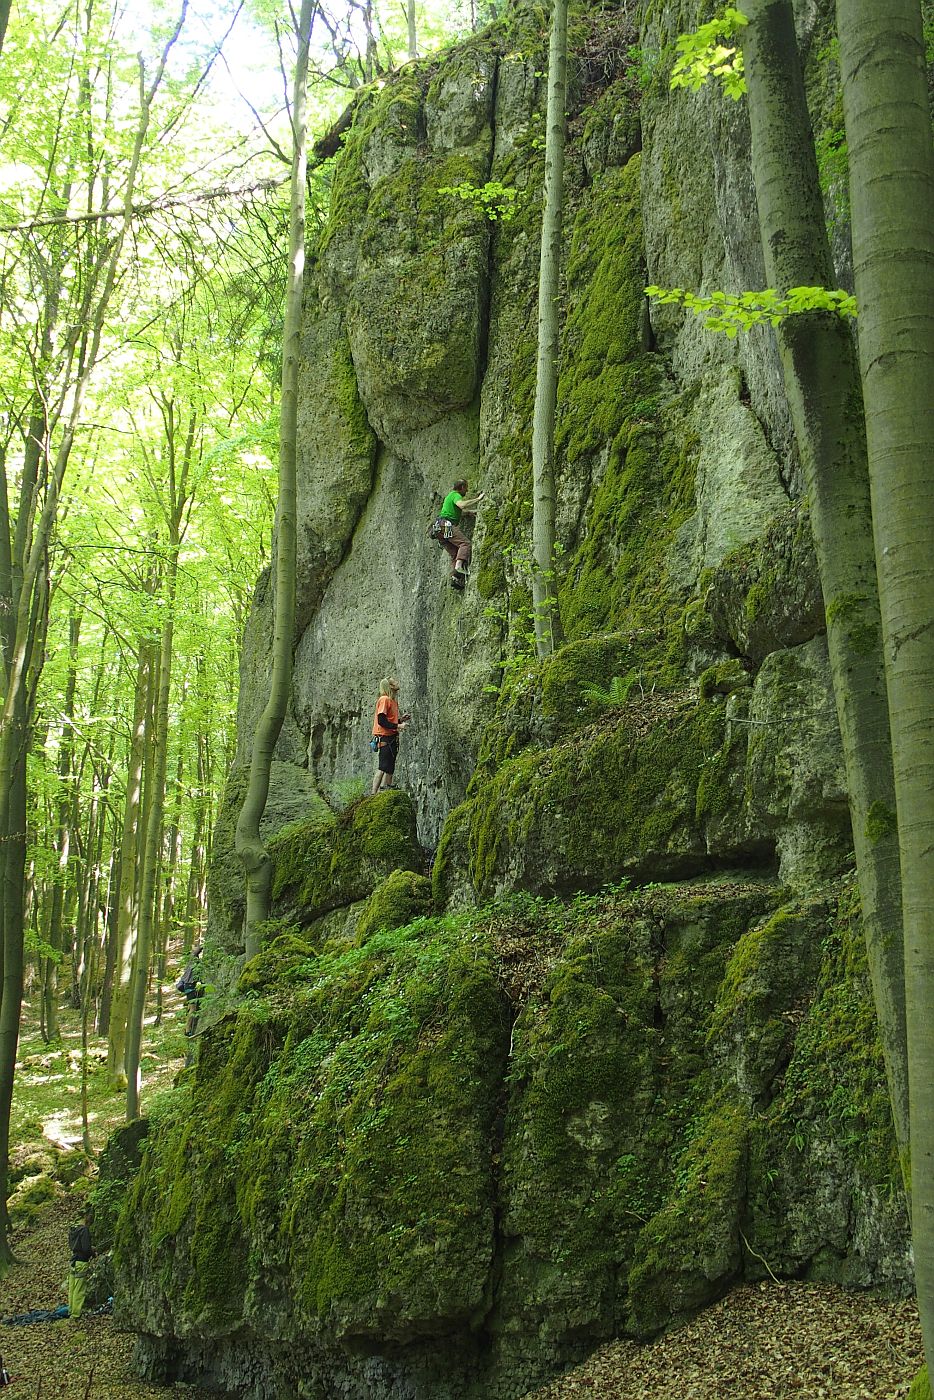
{"x": 455, "y": 1133}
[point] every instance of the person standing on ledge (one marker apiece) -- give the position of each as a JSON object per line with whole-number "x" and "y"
{"x": 448, "y": 534}
{"x": 388, "y": 724}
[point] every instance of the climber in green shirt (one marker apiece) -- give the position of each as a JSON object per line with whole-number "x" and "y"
{"x": 448, "y": 534}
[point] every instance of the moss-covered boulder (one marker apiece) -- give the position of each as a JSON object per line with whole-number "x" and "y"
{"x": 116, "y": 1167}
{"x": 826, "y": 1135}
{"x": 282, "y": 959}
{"x": 330, "y": 862}
{"x": 330, "y": 1175}
{"x": 411, "y": 260}
{"x": 401, "y": 897}
{"x": 618, "y": 798}
{"x": 766, "y": 596}
{"x": 452, "y": 1159}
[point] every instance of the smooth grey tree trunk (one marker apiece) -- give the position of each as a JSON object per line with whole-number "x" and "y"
{"x": 822, "y": 384}
{"x": 66, "y": 814}
{"x": 249, "y": 844}
{"x": 888, "y": 129}
{"x": 127, "y": 910}
{"x": 194, "y": 897}
{"x": 410, "y": 19}
{"x": 148, "y": 899}
{"x": 544, "y": 600}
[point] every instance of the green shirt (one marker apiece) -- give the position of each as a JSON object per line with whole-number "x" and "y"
{"x": 451, "y": 509}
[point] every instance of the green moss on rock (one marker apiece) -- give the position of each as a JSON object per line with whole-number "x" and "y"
{"x": 920, "y": 1386}
{"x": 773, "y": 965}
{"x": 617, "y": 799}
{"x": 333, "y": 1154}
{"x": 690, "y": 1249}
{"x": 281, "y": 961}
{"x": 401, "y": 897}
{"x": 723, "y": 679}
{"x": 30, "y": 1198}
{"x": 829, "y": 1120}
{"x": 324, "y": 864}
{"x": 590, "y": 662}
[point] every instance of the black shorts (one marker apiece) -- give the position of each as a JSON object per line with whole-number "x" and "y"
{"x": 388, "y": 753}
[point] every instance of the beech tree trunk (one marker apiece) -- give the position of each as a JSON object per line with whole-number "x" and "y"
{"x": 249, "y": 843}
{"x": 195, "y": 896}
{"x": 410, "y": 20}
{"x": 65, "y": 803}
{"x": 888, "y": 129}
{"x": 127, "y": 911}
{"x": 544, "y": 600}
{"x": 148, "y": 900}
{"x": 110, "y": 943}
{"x": 822, "y": 384}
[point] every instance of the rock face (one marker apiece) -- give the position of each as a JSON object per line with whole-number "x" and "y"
{"x": 451, "y": 1160}
{"x": 674, "y": 448}
{"x": 618, "y": 1051}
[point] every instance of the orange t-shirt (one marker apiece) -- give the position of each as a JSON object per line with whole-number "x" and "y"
{"x": 385, "y": 705}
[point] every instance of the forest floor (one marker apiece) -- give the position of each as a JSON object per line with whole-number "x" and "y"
{"x": 85, "y": 1359}
{"x": 784, "y": 1341}
{"x": 765, "y": 1341}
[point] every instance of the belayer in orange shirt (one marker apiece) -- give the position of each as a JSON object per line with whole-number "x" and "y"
{"x": 388, "y": 724}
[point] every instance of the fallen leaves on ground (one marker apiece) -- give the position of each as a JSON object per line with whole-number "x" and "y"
{"x": 59, "y": 1359}
{"x": 764, "y": 1342}
{"x": 787, "y": 1341}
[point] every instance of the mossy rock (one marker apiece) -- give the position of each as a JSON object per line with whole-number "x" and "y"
{"x": 618, "y": 799}
{"x": 325, "y": 864}
{"x": 608, "y": 1072}
{"x": 30, "y": 1199}
{"x": 766, "y": 595}
{"x": 920, "y": 1386}
{"x": 722, "y": 679}
{"x": 332, "y": 1161}
{"x": 773, "y": 965}
{"x": 280, "y": 963}
{"x": 402, "y": 897}
{"x": 71, "y": 1166}
{"x": 31, "y": 1159}
{"x": 591, "y": 662}
{"x": 117, "y": 1165}
{"x": 690, "y": 1249}
{"x": 182, "y": 1203}
{"x": 828, "y": 1120}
